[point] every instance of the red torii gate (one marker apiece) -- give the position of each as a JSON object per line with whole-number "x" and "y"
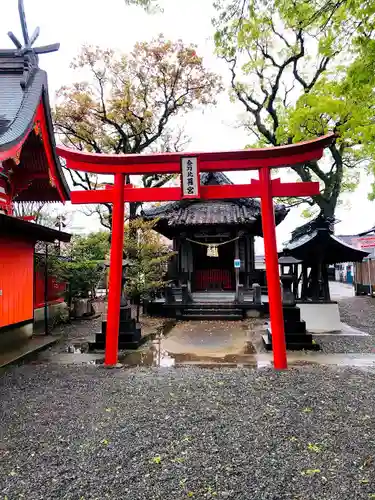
{"x": 189, "y": 165}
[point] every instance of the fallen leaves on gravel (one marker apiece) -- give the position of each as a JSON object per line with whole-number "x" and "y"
{"x": 307, "y": 410}
{"x": 314, "y": 447}
{"x": 310, "y": 472}
{"x": 366, "y": 462}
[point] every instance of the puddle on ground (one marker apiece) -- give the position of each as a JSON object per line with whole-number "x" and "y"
{"x": 203, "y": 344}
{"x": 206, "y": 345}
{"x": 156, "y": 355}
{"x": 206, "y": 352}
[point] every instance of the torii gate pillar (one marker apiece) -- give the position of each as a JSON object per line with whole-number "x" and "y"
{"x": 115, "y": 272}
{"x": 272, "y": 270}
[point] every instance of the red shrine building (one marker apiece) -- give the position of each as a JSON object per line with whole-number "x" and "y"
{"x": 30, "y": 171}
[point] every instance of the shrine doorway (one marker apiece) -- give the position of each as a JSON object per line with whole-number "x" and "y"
{"x": 213, "y": 270}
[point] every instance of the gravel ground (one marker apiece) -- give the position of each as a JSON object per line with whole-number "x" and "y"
{"x": 359, "y": 312}
{"x": 77, "y": 331}
{"x": 331, "y": 344}
{"x": 84, "y": 432}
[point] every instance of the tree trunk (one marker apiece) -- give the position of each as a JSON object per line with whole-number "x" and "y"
{"x": 327, "y": 208}
{"x": 133, "y": 210}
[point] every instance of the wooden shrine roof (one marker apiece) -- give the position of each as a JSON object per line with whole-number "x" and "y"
{"x": 316, "y": 238}
{"x": 245, "y": 212}
{"x": 14, "y": 226}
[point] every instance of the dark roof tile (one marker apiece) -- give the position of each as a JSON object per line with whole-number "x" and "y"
{"x": 14, "y": 226}
{"x": 184, "y": 213}
{"x": 215, "y": 212}
{"x": 316, "y": 237}
{"x": 18, "y": 106}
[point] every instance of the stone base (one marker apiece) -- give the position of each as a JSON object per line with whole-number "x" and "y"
{"x": 296, "y": 342}
{"x": 130, "y": 336}
{"x": 129, "y": 340}
{"x": 296, "y": 336}
{"x": 252, "y": 313}
{"x": 320, "y": 317}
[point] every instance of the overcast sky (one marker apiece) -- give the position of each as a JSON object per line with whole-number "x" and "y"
{"x": 112, "y": 24}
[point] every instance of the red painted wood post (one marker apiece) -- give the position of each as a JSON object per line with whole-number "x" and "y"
{"x": 272, "y": 271}
{"x": 115, "y": 273}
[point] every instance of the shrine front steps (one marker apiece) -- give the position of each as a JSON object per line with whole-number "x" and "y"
{"x": 212, "y": 313}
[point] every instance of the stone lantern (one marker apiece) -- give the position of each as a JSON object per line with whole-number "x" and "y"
{"x": 289, "y": 279}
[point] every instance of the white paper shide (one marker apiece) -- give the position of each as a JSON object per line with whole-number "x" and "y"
{"x": 190, "y": 177}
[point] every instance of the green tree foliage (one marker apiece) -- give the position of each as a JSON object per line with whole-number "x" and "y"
{"x": 82, "y": 264}
{"x": 303, "y": 68}
{"x": 81, "y": 275}
{"x": 150, "y": 256}
{"x": 147, "y": 258}
{"x": 127, "y": 103}
{"x": 93, "y": 247}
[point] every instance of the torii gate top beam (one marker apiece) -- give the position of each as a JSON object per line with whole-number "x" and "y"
{"x": 169, "y": 163}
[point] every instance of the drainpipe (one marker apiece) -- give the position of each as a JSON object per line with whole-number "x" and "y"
{"x": 46, "y": 330}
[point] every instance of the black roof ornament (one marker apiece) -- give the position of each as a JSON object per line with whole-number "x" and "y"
{"x": 26, "y": 50}
{"x": 29, "y": 41}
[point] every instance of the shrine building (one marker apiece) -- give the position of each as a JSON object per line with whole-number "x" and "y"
{"x": 30, "y": 171}
{"x": 210, "y": 238}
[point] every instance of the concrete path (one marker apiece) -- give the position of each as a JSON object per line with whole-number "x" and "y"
{"x": 208, "y": 338}
{"x": 26, "y": 349}
{"x": 340, "y": 290}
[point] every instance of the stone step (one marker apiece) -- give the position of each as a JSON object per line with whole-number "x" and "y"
{"x": 134, "y": 336}
{"x": 292, "y": 326}
{"x": 226, "y": 317}
{"x": 292, "y": 313}
{"x": 211, "y": 305}
{"x": 296, "y": 341}
{"x": 126, "y": 326}
{"x": 212, "y": 310}
{"x": 213, "y": 296}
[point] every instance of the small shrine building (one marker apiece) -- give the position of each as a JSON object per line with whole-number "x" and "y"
{"x": 317, "y": 247}
{"x": 212, "y": 238}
